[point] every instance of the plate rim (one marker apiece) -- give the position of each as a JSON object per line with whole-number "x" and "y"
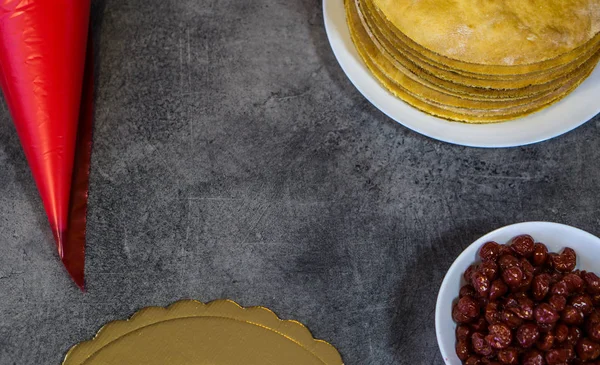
{"x": 577, "y": 107}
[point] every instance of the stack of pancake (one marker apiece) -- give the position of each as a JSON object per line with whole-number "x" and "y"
{"x": 477, "y": 61}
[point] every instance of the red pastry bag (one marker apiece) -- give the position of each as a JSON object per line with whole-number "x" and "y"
{"x": 43, "y": 46}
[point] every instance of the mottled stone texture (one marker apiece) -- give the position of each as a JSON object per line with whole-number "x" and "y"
{"x": 233, "y": 159}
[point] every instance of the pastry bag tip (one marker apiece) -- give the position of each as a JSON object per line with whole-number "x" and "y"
{"x": 76, "y": 272}
{"x": 72, "y": 260}
{"x": 59, "y": 239}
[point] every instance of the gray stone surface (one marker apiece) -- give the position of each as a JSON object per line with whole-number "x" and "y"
{"x": 233, "y": 159}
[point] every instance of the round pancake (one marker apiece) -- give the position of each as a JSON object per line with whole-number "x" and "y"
{"x": 384, "y": 34}
{"x": 452, "y": 113}
{"x": 465, "y": 91}
{"x": 441, "y": 112}
{"x": 497, "y": 37}
{"x": 421, "y": 88}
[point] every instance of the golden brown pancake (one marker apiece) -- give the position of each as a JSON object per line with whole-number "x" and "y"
{"x": 496, "y": 37}
{"x": 440, "y": 104}
{"x": 464, "y": 91}
{"x": 450, "y": 115}
{"x": 379, "y": 29}
{"x": 418, "y": 87}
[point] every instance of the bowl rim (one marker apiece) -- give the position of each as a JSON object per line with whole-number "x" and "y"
{"x": 480, "y": 241}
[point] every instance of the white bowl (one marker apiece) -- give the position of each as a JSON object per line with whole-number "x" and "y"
{"x": 555, "y": 236}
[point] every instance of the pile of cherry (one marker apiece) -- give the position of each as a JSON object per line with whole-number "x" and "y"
{"x": 524, "y": 305}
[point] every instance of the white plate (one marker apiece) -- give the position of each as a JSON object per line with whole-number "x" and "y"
{"x": 555, "y": 236}
{"x": 571, "y": 112}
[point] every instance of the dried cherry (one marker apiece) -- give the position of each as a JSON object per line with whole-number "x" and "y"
{"x": 544, "y": 313}
{"x": 463, "y": 350}
{"x": 587, "y": 349}
{"x": 540, "y": 254}
{"x": 528, "y": 334}
{"x": 500, "y": 336}
{"x": 490, "y": 251}
{"x": 523, "y": 245}
{"x": 533, "y": 357}
{"x": 498, "y": 289}
{"x": 540, "y": 286}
